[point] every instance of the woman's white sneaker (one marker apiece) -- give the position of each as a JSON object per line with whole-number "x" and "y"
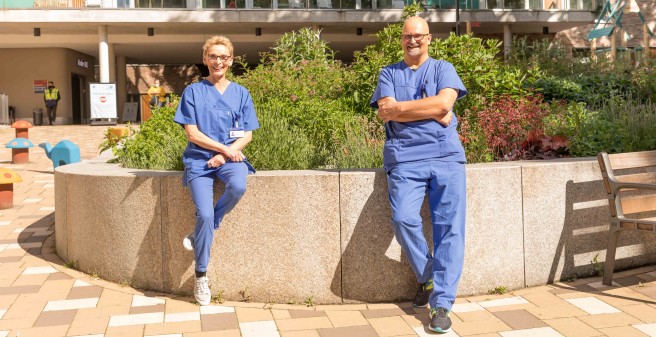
{"x": 188, "y": 242}
{"x": 202, "y": 290}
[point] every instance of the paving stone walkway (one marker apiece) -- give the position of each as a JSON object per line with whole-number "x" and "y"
{"x": 40, "y": 296}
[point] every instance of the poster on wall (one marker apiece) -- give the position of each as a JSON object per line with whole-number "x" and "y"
{"x": 102, "y": 97}
{"x": 40, "y": 86}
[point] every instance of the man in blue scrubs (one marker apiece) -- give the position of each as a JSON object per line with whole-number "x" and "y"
{"x": 218, "y": 117}
{"x": 423, "y": 156}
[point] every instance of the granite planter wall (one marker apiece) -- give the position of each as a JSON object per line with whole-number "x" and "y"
{"x": 327, "y": 235}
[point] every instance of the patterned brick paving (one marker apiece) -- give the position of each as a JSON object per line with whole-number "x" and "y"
{"x": 40, "y": 297}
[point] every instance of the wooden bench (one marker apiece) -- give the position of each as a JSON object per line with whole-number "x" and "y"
{"x": 630, "y": 182}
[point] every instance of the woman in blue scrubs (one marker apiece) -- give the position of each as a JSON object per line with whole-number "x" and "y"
{"x": 218, "y": 117}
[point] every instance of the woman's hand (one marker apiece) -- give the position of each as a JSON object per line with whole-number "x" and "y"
{"x": 239, "y": 157}
{"x": 231, "y": 153}
{"x": 217, "y": 160}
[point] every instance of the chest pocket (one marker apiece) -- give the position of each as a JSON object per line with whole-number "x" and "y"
{"x": 220, "y": 122}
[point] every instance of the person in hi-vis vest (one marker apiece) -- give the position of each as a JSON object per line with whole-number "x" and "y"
{"x": 51, "y": 97}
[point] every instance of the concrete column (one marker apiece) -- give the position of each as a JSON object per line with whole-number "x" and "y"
{"x": 593, "y": 49}
{"x": 507, "y": 40}
{"x": 121, "y": 85}
{"x": 112, "y": 62}
{"x": 103, "y": 54}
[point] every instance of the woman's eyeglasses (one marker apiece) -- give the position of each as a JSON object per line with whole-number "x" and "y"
{"x": 223, "y": 58}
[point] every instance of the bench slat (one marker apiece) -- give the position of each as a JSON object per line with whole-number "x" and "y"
{"x": 638, "y": 204}
{"x": 620, "y": 161}
{"x": 642, "y": 178}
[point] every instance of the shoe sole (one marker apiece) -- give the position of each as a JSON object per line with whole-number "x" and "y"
{"x": 203, "y": 302}
{"x": 186, "y": 243}
{"x": 419, "y": 306}
{"x": 438, "y": 330}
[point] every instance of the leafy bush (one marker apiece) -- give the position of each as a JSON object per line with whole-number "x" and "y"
{"x": 314, "y": 111}
{"x": 158, "y": 145}
{"x": 511, "y": 124}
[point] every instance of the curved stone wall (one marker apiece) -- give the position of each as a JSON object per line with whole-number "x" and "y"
{"x": 326, "y": 234}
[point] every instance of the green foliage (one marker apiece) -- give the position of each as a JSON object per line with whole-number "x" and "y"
{"x": 314, "y": 111}
{"x": 500, "y": 290}
{"x": 362, "y": 146}
{"x": 544, "y": 54}
{"x": 157, "y": 146}
{"x": 636, "y": 122}
{"x": 72, "y": 264}
{"x": 296, "y": 46}
{"x": 588, "y": 131}
{"x": 598, "y": 266}
{"x": 556, "y": 88}
{"x": 306, "y": 117}
{"x": 278, "y": 144}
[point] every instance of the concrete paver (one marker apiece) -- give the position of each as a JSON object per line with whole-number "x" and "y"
{"x": 41, "y": 297}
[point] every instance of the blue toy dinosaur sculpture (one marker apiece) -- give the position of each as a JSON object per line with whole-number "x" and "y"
{"x": 64, "y": 152}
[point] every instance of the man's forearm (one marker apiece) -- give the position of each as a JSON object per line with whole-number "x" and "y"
{"x": 433, "y": 107}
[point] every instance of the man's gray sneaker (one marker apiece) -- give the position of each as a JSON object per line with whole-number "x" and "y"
{"x": 188, "y": 242}
{"x": 202, "y": 290}
{"x": 423, "y": 293}
{"x": 439, "y": 320}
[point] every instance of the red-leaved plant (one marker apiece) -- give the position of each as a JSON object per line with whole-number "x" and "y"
{"x": 514, "y": 129}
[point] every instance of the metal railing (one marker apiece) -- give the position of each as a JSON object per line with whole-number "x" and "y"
{"x": 306, "y": 4}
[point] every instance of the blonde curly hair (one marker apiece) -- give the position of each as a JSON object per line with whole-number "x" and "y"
{"x": 217, "y": 40}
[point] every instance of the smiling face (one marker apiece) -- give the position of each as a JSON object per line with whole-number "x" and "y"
{"x": 415, "y": 48}
{"x": 218, "y": 59}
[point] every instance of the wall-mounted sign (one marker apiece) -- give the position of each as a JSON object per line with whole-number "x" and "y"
{"x": 82, "y": 63}
{"x": 40, "y": 86}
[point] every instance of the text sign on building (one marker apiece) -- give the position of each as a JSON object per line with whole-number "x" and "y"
{"x": 103, "y": 100}
{"x": 82, "y": 63}
{"x": 40, "y": 86}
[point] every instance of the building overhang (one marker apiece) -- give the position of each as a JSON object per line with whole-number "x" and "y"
{"x": 178, "y": 35}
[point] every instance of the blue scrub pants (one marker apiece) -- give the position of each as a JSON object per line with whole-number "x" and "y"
{"x": 209, "y": 216}
{"x": 445, "y": 184}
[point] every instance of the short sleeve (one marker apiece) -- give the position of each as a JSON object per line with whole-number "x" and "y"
{"x": 447, "y": 77}
{"x": 384, "y": 88}
{"x": 248, "y": 111}
{"x": 186, "y": 112}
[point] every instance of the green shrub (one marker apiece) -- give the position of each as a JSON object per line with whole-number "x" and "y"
{"x": 158, "y": 145}
{"x": 277, "y": 145}
{"x": 314, "y": 111}
{"x": 362, "y": 146}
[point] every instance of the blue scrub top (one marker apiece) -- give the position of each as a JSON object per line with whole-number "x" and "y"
{"x": 214, "y": 114}
{"x": 425, "y": 139}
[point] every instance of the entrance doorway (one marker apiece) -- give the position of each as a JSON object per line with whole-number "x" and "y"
{"x": 78, "y": 101}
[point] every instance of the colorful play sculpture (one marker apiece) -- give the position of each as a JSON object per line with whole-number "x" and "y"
{"x": 20, "y": 150}
{"x": 64, "y": 152}
{"x": 7, "y": 180}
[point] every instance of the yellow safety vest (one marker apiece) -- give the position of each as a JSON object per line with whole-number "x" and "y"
{"x": 51, "y": 94}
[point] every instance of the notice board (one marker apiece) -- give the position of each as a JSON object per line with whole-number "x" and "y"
{"x": 102, "y": 97}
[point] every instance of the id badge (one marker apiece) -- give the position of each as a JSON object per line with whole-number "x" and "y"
{"x": 236, "y": 132}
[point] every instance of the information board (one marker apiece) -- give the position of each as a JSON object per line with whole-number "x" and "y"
{"x": 130, "y": 112}
{"x": 102, "y": 97}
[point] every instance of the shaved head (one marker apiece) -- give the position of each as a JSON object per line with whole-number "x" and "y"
{"x": 415, "y": 24}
